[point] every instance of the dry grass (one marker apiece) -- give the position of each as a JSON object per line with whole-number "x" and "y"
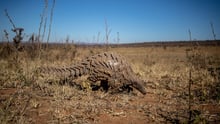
{"x": 26, "y": 97}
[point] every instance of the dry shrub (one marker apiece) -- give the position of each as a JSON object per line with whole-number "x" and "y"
{"x": 6, "y": 51}
{"x": 205, "y": 83}
{"x": 32, "y": 50}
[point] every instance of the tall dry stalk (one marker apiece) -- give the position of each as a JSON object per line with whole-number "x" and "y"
{"x": 10, "y": 20}
{"x": 190, "y": 35}
{"x": 45, "y": 20}
{"x": 118, "y": 38}
{"x": 213, "y": 31}
{"x": 107, "y": 33}
{"x": 43, "y": 15}
{"x": 6, "y": 35}
{"x": 51, "y": 19}
{"x": 18, "y": 31}
{"x": 190, "y": 97}
{"x": 67, "y": 42}
{"x": 98, "y": 37}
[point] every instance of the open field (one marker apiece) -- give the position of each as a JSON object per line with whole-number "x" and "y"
{"x": 182, "y": 83}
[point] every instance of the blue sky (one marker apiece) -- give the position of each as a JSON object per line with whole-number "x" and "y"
{"x": 135, "y": 20}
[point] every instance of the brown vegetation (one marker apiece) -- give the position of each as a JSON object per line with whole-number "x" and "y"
{"x": 182, "y": 86}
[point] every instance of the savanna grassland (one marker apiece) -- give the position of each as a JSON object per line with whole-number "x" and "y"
{"x": 182, "y": 84}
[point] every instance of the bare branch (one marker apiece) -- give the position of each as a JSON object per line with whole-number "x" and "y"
{"x": 10, "y": 20}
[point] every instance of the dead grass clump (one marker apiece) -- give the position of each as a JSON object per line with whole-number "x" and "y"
{"x": 32, "y": 51}
{"x": 6, "y": 51}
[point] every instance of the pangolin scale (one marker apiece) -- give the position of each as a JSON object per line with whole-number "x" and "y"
{"x": 108, "y": 67}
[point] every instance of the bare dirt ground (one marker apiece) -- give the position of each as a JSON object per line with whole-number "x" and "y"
{"x": 182, "y": 86}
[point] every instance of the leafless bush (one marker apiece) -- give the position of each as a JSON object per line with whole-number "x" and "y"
{"x": 18, "y": 38}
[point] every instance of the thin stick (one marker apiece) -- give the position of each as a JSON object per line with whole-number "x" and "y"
{"x": 213, "y": 31}
{"x": 190, "y": 35}
{"x": 189, "y": 91}
{"x": 118, "y": 38}
{"x": 45, "y": 20}
{"x": 6, "y": 35}
{"x": 107, "y": 33}
{"x": 42, "y": 18}
{"x": 10, "y": 20}
{"x": 51, "y": 19}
